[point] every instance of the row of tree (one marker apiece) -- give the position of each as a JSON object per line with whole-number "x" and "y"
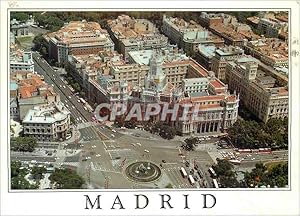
{"x": 251, "y": 134}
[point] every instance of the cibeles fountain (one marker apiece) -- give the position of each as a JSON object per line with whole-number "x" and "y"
{"x": 143, "y": 171}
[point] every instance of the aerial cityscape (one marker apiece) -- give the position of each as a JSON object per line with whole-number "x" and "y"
{"x": 149, "y": 100}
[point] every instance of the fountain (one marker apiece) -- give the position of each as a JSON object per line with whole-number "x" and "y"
{"x": 143, "y": 171}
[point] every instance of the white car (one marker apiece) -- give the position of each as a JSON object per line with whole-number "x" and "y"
{"x": 78, "y": 101}
{"x": 147, "y": 151}
{"x": 85, "y": 108}
{"x": 98, "y": 155}
{"x": 112, "y": 135}
{"x": 113, "y": 130}
{"x": 64, "y": 86}
{"x": 69, "y": 97}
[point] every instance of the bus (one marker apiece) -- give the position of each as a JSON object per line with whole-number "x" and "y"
{"x": 191, "y": 179}
{"x": 216, "y": 185}
{"x": 212, "y": 172}
{"x": 82, "y": 100}
{"x": 183, "y": 172}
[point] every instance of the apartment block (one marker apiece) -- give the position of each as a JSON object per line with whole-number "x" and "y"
{"x": 131, "y": 34}
{"x": 222, "y": 56}
{"x": 21, "y": 61}
{"x": 271, "y": 51}
{"x": 261, "y": 94}
{"x": 78, "y": 38}
{"x": 188, "y": 35}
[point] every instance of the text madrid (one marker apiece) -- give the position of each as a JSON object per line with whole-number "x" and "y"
{"x": 142, "y": 201}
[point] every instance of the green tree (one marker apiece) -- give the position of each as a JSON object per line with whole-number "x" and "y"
{"x": 190, "y": 143}
{"x": 20, "y": 16}
{"x": 18, "y": 174}
{"x": 226, "y": 174}
{"x": 66, "y": 179}
{"x": 24, "y": 144}
{"x": 37, "y": 173}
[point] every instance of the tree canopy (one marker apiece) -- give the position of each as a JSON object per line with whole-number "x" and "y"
{"x": 260, "y": 175}
{"x": 251, "y": 134}
{"x": 66, "y": 179}
{"x": 18, "y": 174}
{"x": 226, "y": 174}
{"x": 23, "y": 144}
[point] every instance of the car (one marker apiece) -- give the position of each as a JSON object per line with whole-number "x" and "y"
{"x": 85, "y": 108}
{"x": 147, "y": 151}
{"x": 98, "y": 155}
{"x": 139, "y": 144}
{"x": 69, "y": 96}
{"x": 53, "y": 75}
{"x": 52, "y": 85}
{"x": 112, "y": 135}
{"x": 113, "y": 130}
{"x": 164, "y": 161}
{"x": 64, "y": 86}
{"x": 73, "y": 106}
{"x": 88, "y": 158}
{"x": 78, "y": 101}
{"x": 84, "y": 159}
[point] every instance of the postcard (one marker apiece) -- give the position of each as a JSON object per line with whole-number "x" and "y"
{"x": 150, "y": 108}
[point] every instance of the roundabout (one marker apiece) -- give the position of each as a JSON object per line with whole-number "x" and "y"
{"x": 143, "y": 171}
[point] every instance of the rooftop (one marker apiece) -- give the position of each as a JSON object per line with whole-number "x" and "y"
{"x": 132, "y": 31}
{"x": 46, "y": 114}
{"x": 164, "y": 55}
{"x": 207, "y": 51}
{"x": 80, "y": 33}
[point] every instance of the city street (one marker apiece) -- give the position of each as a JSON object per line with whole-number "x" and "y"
{"x": 76, "y": 108}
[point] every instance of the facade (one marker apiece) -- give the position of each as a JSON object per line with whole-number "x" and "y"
{"x": 131, "y": 34}
{"x": 221, "y": 57}
{"x": 174, "y": 62}
{"x": 47, "y": 122}
{"x": 21, "y": 61}
{"x": 14, "y": 109}
{"x": 188, "y": 35}
{"x": 19, "y": 29}
{"x": 195, "y": 85}
{"x": 78, "y": 38}
{"x": 205, "y": 55}
{"x": 258, "y": 92}
{"x": 271, "y": 51}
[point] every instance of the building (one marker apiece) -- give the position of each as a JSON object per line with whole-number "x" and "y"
{"x": 271, "y": 51}
{"x": 131, "y": 34}
{"x": 14, "y": 109}
{"x": 48, "y": 122}
{"x": 221, "y": 57}
{"x": 195, "y": 85}
{"x": 21, "y": 61}
{"x": 259, "y": 93}
{"x": 33, "y": 92}
{"x": 20, "y": 29}
{"x": 188, "y": 35}
{"x": 228, "y": 28}
{"x": 205, "y": 55}
{"x": 78, "y": 38}
{"x": 174, "y": 62}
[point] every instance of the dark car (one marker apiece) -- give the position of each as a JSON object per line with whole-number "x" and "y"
{"x": 163, "y": 161}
